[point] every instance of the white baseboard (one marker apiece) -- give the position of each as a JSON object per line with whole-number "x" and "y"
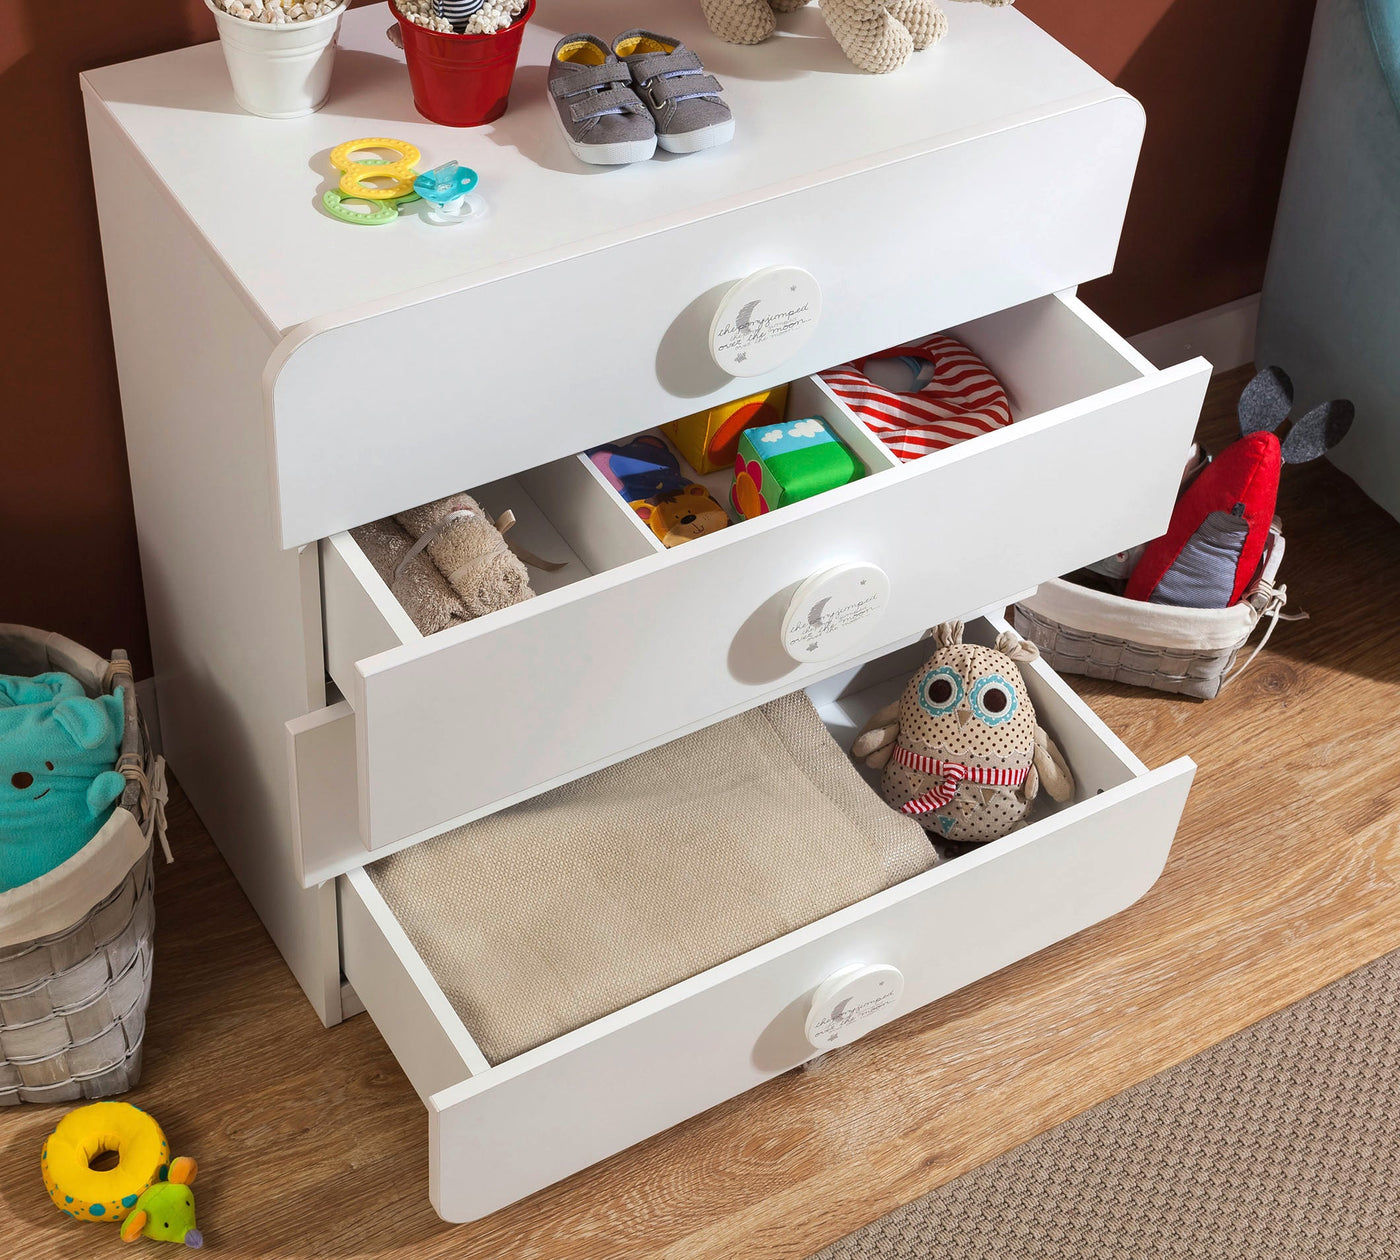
{"x": 146, "y": 702}
{"x": 1223, "y": 334}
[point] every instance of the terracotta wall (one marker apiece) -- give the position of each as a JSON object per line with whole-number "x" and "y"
{"x": 66, "y": 529}
{"x": 1218, "y": 78}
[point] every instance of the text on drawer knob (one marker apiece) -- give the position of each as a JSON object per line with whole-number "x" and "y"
{"x": 852, "y": 1001}
{"x": 764, "y": 320}
{"x": 833, "y": 611}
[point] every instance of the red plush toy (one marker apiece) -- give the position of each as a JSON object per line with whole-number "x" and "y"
{"x": 1213, "y": 546}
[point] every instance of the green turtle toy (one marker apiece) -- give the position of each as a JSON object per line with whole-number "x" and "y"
{"x": 165, "y": 1210}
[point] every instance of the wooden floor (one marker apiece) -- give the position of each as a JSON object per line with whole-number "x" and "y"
{"x": 1285, "y": 875}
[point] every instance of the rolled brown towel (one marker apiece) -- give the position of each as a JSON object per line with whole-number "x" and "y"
{"x": 421, "y": 589}
{"x": 471, "y": 554}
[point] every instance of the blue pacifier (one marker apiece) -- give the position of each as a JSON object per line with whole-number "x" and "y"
{"x": 446, "y": 190}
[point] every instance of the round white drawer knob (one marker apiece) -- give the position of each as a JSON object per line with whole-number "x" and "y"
{"x": 764, "y": 320}
{"x": 833, "y": 611}
{"x": 849, "y": 1003}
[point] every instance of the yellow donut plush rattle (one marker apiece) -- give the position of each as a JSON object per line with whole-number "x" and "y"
{"x": 147, "y": 1193}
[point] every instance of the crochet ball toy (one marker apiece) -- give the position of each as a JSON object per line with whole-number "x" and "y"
{"x": 1213, "y": 546}
{"x": 961, "y": 750}
{"x": 877, "y": 35}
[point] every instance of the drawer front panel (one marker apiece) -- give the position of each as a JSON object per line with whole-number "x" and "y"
{"x": 618, "y": 336}
{"x": 502, "y": 1132}
{"x": 453, "y": 725}
{"x": 492, "y": 1141}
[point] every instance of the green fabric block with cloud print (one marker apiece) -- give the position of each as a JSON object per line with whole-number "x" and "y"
{"x": 785, "y": 463}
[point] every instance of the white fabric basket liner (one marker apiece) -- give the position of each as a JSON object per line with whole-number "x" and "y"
{"x": 1157, "y": 625}
{"x": 54, "y": 902}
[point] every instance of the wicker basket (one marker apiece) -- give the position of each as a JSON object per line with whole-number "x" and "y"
{"x": 75, "y": 944}
{"x": 1189, "y": 651}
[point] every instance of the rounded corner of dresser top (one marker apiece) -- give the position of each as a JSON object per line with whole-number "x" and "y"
{"x": 288, "y": 343}
{"x": 1133, "y": 107}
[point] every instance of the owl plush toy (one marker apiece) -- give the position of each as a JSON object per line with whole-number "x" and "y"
{"x": 960, "y": 749}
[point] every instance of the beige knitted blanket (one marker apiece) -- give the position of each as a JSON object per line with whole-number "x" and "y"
{"x": 543, "y": 917}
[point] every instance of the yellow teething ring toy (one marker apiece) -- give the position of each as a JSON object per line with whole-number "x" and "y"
{"x": 401, "y": 172}
{"x": 90, "y": 1194}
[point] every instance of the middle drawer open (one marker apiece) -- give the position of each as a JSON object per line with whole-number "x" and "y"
{"x": 631, "y": 644}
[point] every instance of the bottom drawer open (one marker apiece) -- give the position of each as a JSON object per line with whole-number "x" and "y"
{"x": 498, "y": 1133}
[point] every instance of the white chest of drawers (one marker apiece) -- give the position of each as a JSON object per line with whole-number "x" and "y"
{"x": 270, "y": 359}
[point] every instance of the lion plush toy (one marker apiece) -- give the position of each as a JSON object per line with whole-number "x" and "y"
{"x": 877, "y": 35}
{"x": 961, "y": 750}
{"x": 677, "y": 516}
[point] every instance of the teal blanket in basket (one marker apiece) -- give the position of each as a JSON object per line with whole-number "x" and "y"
{"x": 58, "y": 748}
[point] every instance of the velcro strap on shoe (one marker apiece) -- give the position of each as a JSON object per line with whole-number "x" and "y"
{"x": 587, "y": 77}
{"x": 613, "y": 101}
{"x": 647, "y": 65}
{"x": 681, "y": 87}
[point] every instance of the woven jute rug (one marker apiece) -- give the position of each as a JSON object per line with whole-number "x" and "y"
{"x": 1281, "y": 1143}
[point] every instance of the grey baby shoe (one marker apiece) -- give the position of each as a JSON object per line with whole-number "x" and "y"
{"x": 600, "y": 115}
{"x": 683, "y": 99}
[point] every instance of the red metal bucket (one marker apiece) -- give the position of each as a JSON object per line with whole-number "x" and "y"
{"x": 461, "y": 80}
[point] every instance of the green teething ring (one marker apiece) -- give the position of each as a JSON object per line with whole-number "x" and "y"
{"x": 380, "y": 211}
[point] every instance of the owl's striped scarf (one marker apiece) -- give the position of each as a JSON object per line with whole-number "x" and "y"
{"x": 952, "y": 773}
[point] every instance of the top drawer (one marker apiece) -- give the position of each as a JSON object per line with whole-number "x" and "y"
{"x": 990, "y": 171}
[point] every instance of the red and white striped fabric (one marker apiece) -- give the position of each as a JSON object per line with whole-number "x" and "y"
{"x": 961, "y": 400}
{"x": 952, "y": 773}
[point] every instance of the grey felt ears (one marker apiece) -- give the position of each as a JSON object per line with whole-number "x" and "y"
{"x": 1265, "y": 405}
{"x": 1318, "y": 431}
{"x": 1266, "y": 401}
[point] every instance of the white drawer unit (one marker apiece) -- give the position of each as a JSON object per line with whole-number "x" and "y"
{"x": 286, "y": 378}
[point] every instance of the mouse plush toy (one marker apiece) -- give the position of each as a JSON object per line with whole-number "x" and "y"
{"x": 1215, "y": 541}
{"x": 57, "y": 782}
{"x": 961, "y": 750}
{"x": 165, "y": 1210}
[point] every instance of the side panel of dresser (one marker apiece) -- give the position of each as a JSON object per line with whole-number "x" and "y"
{"x": 235, "y": 622}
